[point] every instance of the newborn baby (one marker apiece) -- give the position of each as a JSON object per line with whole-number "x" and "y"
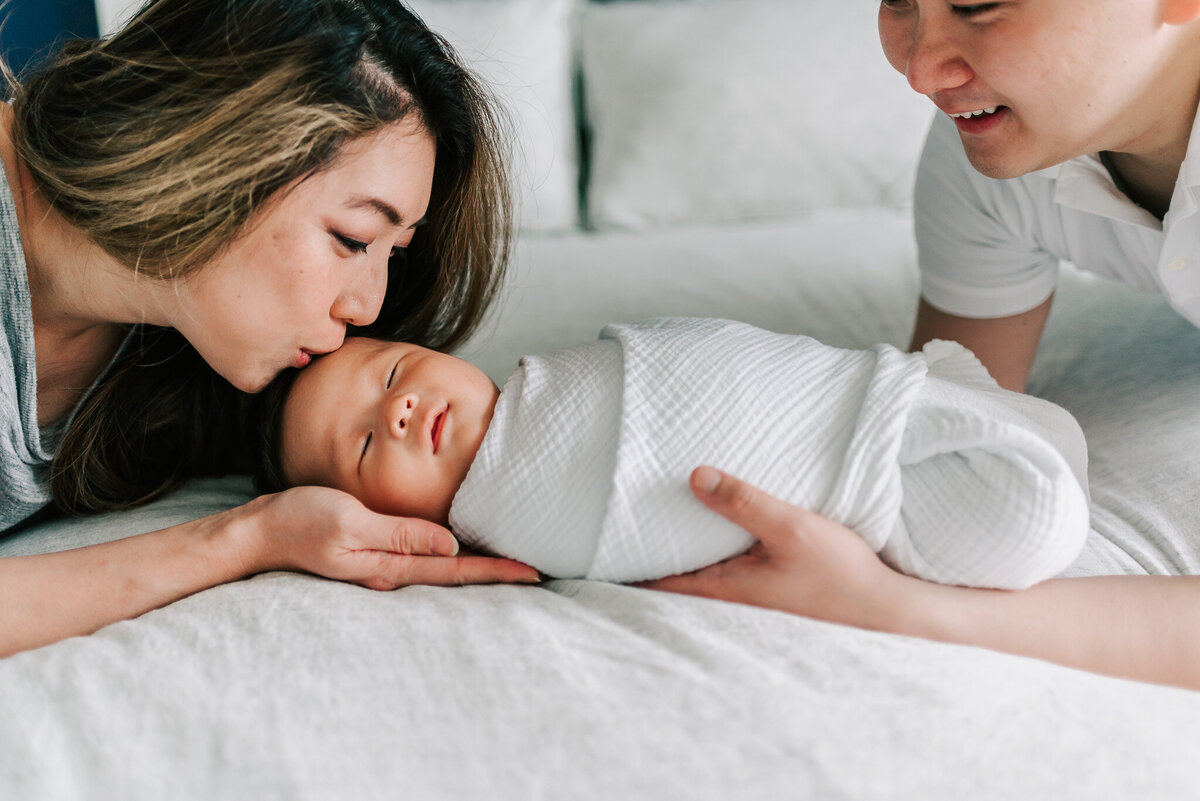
{"x": 580, "y": 466}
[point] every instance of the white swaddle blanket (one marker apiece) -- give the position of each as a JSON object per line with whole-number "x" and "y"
{"x": 584, "y": 469}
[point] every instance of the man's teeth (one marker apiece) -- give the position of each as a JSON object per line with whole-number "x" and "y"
{"x": 968, "y": 114}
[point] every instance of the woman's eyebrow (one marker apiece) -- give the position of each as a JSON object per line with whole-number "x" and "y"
{"x": 382, "y": 207}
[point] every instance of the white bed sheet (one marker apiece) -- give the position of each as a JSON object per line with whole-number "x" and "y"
{"x": 287, "y": 686}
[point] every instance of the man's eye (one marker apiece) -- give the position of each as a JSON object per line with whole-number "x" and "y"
{"x": 974, "y": 9}
{"x": 352, "y": 245}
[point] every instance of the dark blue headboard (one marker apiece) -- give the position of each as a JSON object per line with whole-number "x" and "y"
{"x": 33, "y": 28}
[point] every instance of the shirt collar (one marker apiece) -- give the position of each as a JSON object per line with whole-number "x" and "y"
{"x": 1189, "y": 172}
{"x": 1084, "y": 184}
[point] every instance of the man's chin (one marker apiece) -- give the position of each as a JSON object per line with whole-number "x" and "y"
{"x": 999, "y": 168}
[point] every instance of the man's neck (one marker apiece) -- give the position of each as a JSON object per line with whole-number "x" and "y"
{"x": 1145, "y": 161}
{"x": 1150, "y": 184}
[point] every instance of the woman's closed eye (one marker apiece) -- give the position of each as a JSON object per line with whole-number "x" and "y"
{"x": 350, "y": 244}
{"x": 356, "y": 246}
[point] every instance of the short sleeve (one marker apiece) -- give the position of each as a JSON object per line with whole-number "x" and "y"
{"x": 978, "y": 237}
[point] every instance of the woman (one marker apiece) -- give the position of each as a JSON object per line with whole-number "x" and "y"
{"x": 242, "y": 176}
{"x": 1023, "y": 87}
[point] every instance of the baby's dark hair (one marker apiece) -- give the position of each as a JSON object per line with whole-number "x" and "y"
{"x": 267, "y": 420}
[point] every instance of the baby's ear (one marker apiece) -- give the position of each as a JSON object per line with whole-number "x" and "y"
{"x": 1180, "y": 12}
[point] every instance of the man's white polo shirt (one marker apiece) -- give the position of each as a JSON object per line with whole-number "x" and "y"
{"x": 991, "y": 248}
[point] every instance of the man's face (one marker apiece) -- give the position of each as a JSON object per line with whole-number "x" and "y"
{"x": 1060, "y": 77}
{"x": 395, "y": 425}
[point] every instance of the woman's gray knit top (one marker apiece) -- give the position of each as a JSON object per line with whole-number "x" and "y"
{"x": 24, "y": 458}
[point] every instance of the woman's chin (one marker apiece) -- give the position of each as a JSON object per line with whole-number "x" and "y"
{"x": 250, "y": 383}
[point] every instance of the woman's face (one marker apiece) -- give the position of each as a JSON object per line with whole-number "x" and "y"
{"x": 1065, "y": 77}
{"x": 314, "y": 261}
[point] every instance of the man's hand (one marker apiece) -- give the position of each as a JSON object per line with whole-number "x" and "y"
{"x": 802, "y": 563}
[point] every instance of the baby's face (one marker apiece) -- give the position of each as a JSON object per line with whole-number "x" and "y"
{"x": 395, "y": 425}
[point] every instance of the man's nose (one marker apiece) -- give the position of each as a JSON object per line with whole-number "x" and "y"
{"x": 935, "y": 61}
{"x": 399, "y": 410}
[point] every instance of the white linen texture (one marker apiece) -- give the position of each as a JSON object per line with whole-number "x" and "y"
{"x": 583, "y": 472}
{"x": 713, "y": 112}
{"x": 522, "y": 52}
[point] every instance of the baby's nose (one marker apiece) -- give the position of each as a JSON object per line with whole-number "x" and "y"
{"x": 400, "y": 409}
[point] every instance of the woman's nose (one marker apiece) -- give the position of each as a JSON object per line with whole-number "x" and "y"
{"x": 399, "y": 410}
{"x": 934, "y": 61}
{"x": 359, "y": 301}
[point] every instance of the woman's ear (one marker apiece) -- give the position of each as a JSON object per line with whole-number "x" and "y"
{"x": 1180, "y": 12}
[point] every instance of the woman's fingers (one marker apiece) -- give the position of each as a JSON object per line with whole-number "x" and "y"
{"x": 387, "y": 571}
{"x": 415, "y": 536}
{"x": 329, "y": 533}
{"x": 402, "y": 551}
{"x": 363, "y": 529}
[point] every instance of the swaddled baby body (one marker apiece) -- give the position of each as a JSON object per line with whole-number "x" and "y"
{"x": 580, "y": 466}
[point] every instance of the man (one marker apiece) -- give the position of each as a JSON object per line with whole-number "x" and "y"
{"x": 1065, "y": 132}
{"x": 1064, "y": 128}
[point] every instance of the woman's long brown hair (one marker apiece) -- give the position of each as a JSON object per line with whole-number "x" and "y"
{"x": 164, "y": 141}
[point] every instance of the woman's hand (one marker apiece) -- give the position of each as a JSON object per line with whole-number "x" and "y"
{"x": 802, "y": 563}
{"x": 330, "y": 533}
{"x": 48, "y": 597}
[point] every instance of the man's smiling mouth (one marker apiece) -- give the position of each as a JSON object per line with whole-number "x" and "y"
{"x": 977, "y": 113}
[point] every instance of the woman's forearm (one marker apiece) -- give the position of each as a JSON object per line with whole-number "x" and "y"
{"x": 317, "y": 530}
{"x": 1138, "y": 627}
{"x": 50, "y": 597}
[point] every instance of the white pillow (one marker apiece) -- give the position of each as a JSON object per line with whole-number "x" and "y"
{"x": 736, "y": 109}
{"x": 112, "y": 14}
{"x": 523, "y": 50}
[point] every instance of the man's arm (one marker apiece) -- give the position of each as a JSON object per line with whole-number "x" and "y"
{"x": 1138, "y": 627}
{"x": 1005, "y": 345}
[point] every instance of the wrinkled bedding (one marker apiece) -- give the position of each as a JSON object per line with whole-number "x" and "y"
{"x": 291, "y": 687}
